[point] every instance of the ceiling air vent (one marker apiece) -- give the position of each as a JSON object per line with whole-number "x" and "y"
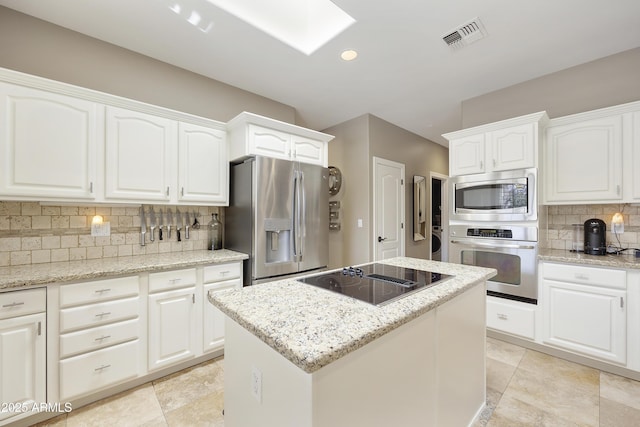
{"x": 466, "y": 34}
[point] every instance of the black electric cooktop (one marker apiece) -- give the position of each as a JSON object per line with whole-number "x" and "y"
{"x": 376, "y": 283}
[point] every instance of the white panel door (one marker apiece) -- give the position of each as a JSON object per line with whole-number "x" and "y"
{"x": 513, "y": 148}
{"x": 22, "y": 360}
{"x": 172, "y": 326}
{"x": 203, "y": 168}
{"x": 141, "y": 156}
{"x": 388, "y": 205}
{"x": 47, "y": 144}
{"x": 213, "y": 328}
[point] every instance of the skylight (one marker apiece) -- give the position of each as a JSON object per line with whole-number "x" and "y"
{"x": 304, "y": 25}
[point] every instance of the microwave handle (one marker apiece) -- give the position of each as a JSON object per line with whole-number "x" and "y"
{"x": 490, "y": 246}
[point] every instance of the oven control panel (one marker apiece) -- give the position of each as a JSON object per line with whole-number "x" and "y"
{"x": 496, "y": 233}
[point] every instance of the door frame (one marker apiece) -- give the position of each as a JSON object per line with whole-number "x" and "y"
{"x": 402, "y": 230}
{"x": 444, "y": 214}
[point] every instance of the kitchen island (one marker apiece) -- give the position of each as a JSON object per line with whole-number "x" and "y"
{"x": 297, "y": 355}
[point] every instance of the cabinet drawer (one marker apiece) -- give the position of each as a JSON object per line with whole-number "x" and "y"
{"x": 99, "y": 290}
{"x": 220, "y": 272}
{"x": 99, "y": 337}
{"x": 603, "y": 277}
{"x": 511, "y": 317}
{"x": 98, "y": 314}
{"x": 20, "y": 303}
{"x": 92, "y": 371}
{"x": 175, "y": 279}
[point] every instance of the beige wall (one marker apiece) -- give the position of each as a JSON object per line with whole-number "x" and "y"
{"x": 357, "y": 142}
{"x": 601, "y": 83}
{"x": 36, "y": 47}
{"x": 349, "y": 152}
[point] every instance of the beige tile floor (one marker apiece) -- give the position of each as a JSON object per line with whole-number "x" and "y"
{"x": 524, "y": 388}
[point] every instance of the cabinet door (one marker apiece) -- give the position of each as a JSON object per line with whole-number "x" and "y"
{"x": 513, "y": 148}
{"x": 467, "y": 155}
{"x": 172, "y": 326}
{"x": 47, "y": 144}
{"x": 584, "y": 161}
{"x": 586, "y": 319}
{"x": 635, "y": 155}
{"x": 22, "y": 360}
{"x": 308, "y": 150}
{"x": 140, "y": 156}
{"x": 213, "y": 327}
{"x": 268, "y": 142}
{"x": 203, "y": 166}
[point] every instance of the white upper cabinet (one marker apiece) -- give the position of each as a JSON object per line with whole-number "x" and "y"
{"x": 203, "y": 169}
{"x": 140, "y": 156}
{"x": 60, "y": 142}
{"x": 590, "y": 157}
{"x": 48, "y": 145}
{"x": 250, "y": 134}
{"x": 505, "y": 145}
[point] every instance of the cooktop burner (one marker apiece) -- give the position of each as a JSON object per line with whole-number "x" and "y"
{"x": 376, "y": 283}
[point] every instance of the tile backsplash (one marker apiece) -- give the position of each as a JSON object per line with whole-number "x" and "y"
{"x": 562, "y": 218}
{"x": 35, "y": 233}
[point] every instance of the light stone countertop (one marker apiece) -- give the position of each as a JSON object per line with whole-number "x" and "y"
{"x": 313, "y": 327}
{"x": 16, "y": 277}
{"x": 613, "y": 261}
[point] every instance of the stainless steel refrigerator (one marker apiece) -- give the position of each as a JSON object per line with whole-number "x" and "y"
{"x": 278, "y": 214}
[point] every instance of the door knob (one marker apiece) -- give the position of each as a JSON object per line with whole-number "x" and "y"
{"x": 381, "y": 239}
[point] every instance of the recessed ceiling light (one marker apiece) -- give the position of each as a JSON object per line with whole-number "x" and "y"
{"x": 302, "y": 24}
{"x": 349, "y": 55}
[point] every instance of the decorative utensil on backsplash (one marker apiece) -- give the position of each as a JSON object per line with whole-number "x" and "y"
{"x": 169, "y": 223}
{"x": 161, "y": 226}
{"x": 178, "y": 224}
{"x": 186, "y": 225}
{"x": 143, "y": 226}
{"x": 196, "y": 224}
{"x": 152, "y": 228}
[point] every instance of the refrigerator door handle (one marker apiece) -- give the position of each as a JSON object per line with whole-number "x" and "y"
{"x": 296, "y": 215}
{"x": 303, "y": 216}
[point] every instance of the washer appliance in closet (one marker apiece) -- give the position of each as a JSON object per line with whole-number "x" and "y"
{"x": 436, "y": 243}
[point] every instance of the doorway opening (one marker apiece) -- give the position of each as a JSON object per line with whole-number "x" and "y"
{"x": 439, "y": 218}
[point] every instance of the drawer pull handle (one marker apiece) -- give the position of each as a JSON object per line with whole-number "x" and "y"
{"x": 100, "y": 368}
{"x": 502, "y": 316}
{"x": 582, "y": 276}
{"x": 104, "y": 337}
{"x": 174, "y": 281}
{"x": 101, "y": 291}
{"x": 104, "y": 313}
{"x": 222, "y": 273}
{"x": 13, "y": 304}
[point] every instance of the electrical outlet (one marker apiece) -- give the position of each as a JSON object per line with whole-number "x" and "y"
{"x": 256, "y": 383}
{"x": 98, "y": 230}
{"x": 617, "y": 228}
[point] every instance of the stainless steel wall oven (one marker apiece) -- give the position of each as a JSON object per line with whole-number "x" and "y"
{"x": 512, "y": 250}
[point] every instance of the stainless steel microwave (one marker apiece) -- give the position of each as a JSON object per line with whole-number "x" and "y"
{"x": 498, "y": 196}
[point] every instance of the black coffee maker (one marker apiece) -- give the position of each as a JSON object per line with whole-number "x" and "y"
{"x": 595, "y": 239}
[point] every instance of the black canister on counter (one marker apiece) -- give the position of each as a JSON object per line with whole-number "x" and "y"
{"x": 595, "y": 237}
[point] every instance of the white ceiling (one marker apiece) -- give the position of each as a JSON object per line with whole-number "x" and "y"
{"x": 404, "y": 74}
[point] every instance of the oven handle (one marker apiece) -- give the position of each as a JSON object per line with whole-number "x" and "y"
{"x": 490, "y": 246}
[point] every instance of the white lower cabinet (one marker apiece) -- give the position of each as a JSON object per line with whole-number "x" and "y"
{"x": 585, "y": 310}
{"x": 217, "y": 278}
{"x": 513, "y": 317}
{"x": 172, "y": 319}
{"x": 100, "y": 335}
{"x": 22, "y": 352}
